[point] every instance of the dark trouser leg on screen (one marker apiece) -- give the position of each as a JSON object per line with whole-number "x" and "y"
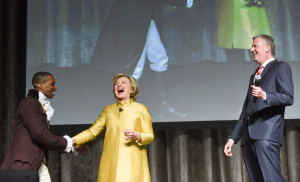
{"x": 160, "y": 87}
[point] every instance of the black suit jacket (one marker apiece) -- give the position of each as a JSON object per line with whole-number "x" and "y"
{"x": 265, "y": 119}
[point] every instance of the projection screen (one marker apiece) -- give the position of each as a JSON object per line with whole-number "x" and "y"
{"x": 190, "y": 57}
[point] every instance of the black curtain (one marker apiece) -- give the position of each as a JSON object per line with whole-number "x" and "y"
{"x": 13, "y": 65}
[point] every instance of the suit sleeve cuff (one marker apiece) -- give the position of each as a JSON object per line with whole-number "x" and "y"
{"x": 265, "y": 98}
{"x": 231, "y": 140}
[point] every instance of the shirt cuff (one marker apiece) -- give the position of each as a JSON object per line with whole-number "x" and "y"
{"x": 265, "y": 99}
{"x": 69, "y": 145}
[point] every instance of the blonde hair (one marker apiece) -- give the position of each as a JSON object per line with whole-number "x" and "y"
{"x": 133, "y": 83}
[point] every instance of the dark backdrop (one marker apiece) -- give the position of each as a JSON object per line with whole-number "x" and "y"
{"x": 179, "y": 154}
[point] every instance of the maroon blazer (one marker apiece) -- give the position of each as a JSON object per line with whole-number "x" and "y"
{"x": 32, "y": 137}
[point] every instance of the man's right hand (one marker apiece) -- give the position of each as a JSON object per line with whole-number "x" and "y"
{"x": 228, "y": 147}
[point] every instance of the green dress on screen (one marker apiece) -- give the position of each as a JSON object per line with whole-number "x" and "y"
{"x": 239, "y": 23}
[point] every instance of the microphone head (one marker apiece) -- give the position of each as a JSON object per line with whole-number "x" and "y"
{"x": 257, "y": 80}
{"x": 257, "y": 77}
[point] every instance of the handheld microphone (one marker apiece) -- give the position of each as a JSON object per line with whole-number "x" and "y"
{"x": 257, "y": 80}
{"x": 120, "y": 110}
{"x": 257, "y": 84}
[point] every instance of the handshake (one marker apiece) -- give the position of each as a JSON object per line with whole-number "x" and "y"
{"x": 71, "y": 146}
{"x": 79, "y": 148}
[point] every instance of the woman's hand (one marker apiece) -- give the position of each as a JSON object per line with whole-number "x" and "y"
{"x": 130, "y": 134}
{"x": 74, "y": 141}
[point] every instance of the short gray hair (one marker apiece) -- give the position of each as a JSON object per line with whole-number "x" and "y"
{"x": 269, "y": 40}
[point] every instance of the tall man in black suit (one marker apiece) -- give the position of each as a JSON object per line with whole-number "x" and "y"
{"x": 261, "y": 122}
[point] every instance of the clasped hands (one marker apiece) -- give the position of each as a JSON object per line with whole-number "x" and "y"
{"x": 130, "y": 134}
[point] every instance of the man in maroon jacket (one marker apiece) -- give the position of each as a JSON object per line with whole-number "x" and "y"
{"x": 32, "y": 138}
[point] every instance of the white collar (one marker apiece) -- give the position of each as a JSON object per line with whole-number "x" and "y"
{"x": 46, "y": 105}
{"x": 42, "y": 97}
{"x": 267, "y": 62}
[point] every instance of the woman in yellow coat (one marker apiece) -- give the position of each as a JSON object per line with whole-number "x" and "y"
{"x": 128, "y": 129}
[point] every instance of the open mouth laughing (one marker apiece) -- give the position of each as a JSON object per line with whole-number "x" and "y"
{"x": 120, "y": 90}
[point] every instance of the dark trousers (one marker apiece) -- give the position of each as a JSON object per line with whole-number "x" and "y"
{"x": 262, "y": 159}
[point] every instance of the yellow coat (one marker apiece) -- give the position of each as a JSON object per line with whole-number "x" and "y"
{"x": 122, "y": 160}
